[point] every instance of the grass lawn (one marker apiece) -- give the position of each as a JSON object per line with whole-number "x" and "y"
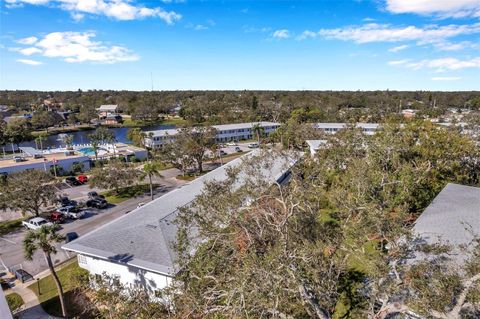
{"x": 127, "y": 192}
{"x": 10, "y": 226}
{"x": 14, "y": 301}
{"x": 48, "y": 296}
{"x": 173, "y": 121}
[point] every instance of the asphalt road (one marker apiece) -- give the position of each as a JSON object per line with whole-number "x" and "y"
{"x": 11, "y": 250}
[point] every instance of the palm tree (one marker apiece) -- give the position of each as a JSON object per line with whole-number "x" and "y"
{"x": 67, "y": 139}
{"x": 258, "y": 130}
{"x": 44, "y": 239}
{"x": 150, "y": 170}
{"x": 40, "y": 138}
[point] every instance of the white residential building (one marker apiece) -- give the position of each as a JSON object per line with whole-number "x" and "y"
{"x": 34, "y": 159}
{"x": 137, "y": 247}
{"x": 332, "y": 128}
{"x": 225, "y": 133}
{"x": 107, "y": 109}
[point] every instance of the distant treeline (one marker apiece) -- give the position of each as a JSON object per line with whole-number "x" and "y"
{"x": 234, "y": 106}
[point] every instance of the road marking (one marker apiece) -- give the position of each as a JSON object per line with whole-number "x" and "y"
{"x": 11, "y": 242}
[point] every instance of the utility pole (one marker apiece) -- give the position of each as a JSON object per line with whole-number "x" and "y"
{"x": 151, "y": 80}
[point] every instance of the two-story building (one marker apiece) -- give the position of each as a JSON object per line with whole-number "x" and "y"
{"x": 332, "y": 128}
{"x": 225, "y": 133}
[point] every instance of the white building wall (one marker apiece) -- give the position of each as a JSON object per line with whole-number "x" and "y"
{"x": 223, "y": 135}
{"x": 129, "y": 276}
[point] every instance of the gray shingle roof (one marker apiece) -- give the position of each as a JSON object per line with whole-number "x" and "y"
{"x": 143, "y": 237}
{"x": 455, "y": 208}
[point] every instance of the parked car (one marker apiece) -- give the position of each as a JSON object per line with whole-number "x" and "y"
{"x": 222, "y": 153}
{"x": 57, "y": 217}
{"x": 232, "y": 144}
{"x": 238, "y": 149}
{"x": 65, "y": 201}
{"x": 72, "y": 181}
{"x": 18, "y": 159}
{"x": 97, "y": 203}
{"x": 253, "y": 145}
{"x": 70, "y": 237}
{"x": 94, "y": 195}
{"x": 35, "y": 223}
{"x": 82, "y": 179}
{"x": 71, "y": 212}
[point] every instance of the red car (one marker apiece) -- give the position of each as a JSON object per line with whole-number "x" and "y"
{"x": 82, "y": 179}
{"x": 57, "y": 217}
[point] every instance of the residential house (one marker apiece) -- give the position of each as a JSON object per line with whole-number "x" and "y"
{"x": 105, "y": 110}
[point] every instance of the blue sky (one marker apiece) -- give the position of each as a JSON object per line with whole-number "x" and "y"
{"x": 287, "y": 45}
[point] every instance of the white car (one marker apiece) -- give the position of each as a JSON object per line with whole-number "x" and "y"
{"x": 232, "y": 144}
{"x": 253, "y": 145}
{"x": 71, "y": 212}
{"x": 35, "y": 223}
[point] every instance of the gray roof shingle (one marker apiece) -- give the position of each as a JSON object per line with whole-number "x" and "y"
{"x": 455, "y": 209}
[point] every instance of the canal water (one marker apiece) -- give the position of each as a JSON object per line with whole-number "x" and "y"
{"x": 81, "y": 137}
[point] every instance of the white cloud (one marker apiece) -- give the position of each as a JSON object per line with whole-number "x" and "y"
{"x": 29, "y": 62}
{"x": 398, "y": 48}
{"x": 307, "y": 34}
{"x": 29, "y": 40}
{"x": 450, "y": 46}
{"x": 78, "y": 47}
{"x": 116, "y": 9}
{"x": 440, "y": 8}
{"x": 200, "y": 27}
{"x": 439, "y": 65}
{"x": 446, "y": 78}
{"x": 28, "y": 51}
{"x": 398, "y": 62}
{"x": 281, "y": 34}
{"x": 374, "y": 32}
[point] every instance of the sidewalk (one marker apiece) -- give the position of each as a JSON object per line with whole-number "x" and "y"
{"x": 31, "y": 308}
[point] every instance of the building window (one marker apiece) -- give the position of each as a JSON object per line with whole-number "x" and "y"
{"x": 82, "y": 259}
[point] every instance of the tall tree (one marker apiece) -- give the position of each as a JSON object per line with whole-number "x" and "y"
{"x": 115, "y": 175}
{"x": 326, "y": 242}
{"x": 177, "y": 155}
{"x": 68, "y": 140}
{"x": 40, "y": 139}
{"x": 28, "y": 191}
{"x": 196, "y": 142}
{"x": 44, "y": 239}
{"x": 101, "y": 136}
{"x": 3, "y": 128}
{"x": 150, "y": 170}
{"x": 17, "y": 131}
{"x": 45, "y": 119}
{"x": 258, "y": 131}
